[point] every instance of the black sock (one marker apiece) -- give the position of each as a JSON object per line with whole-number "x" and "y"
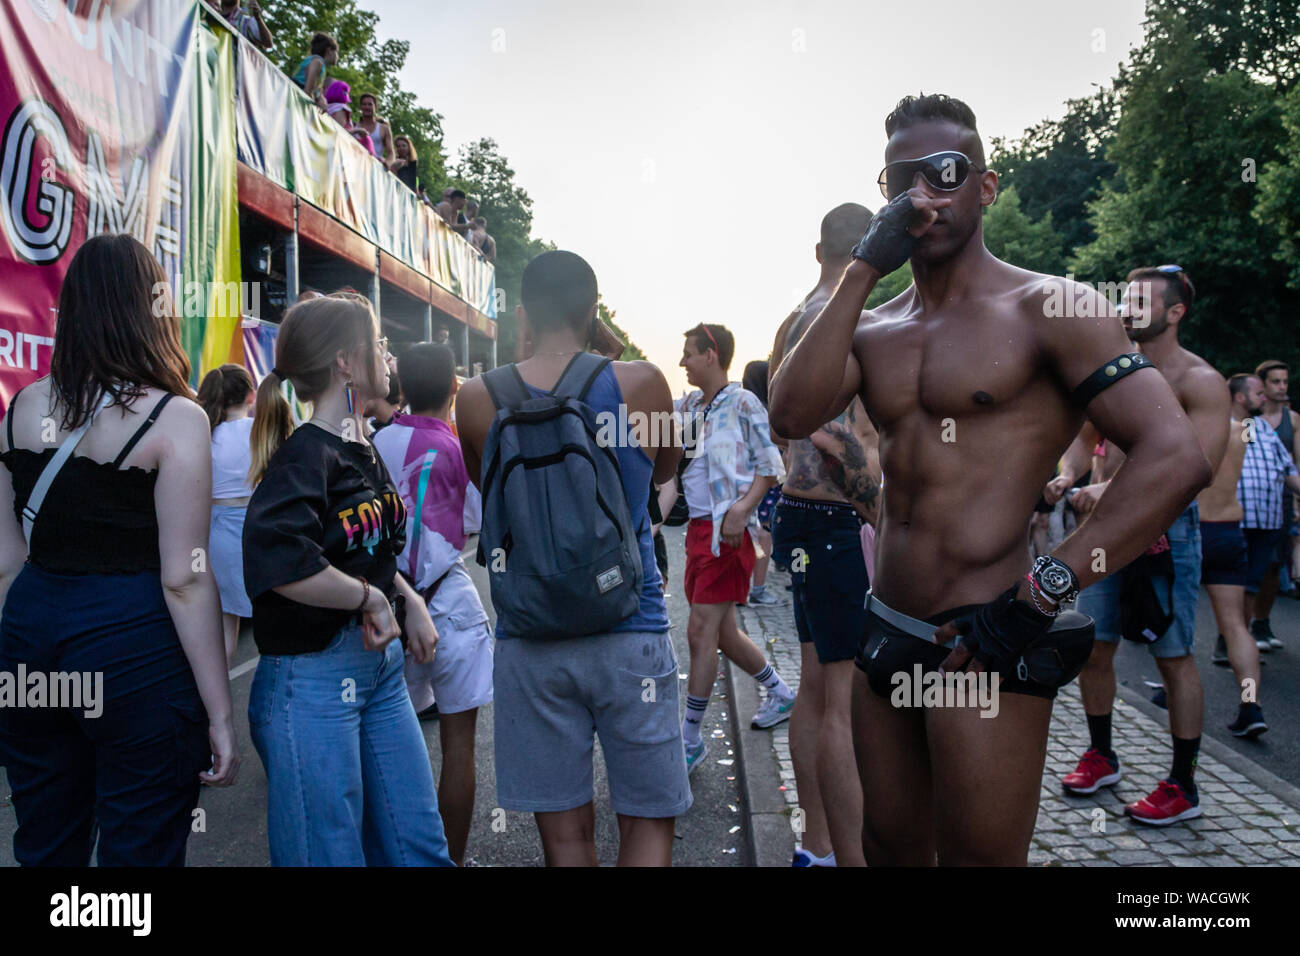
{"x": 1185, "y": 752}
{"x": 1099, "y": 731}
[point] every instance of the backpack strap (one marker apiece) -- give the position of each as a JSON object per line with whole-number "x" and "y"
{"x": 139, "y": 432}
{"x": 580, "y": 375}
{"x": 505, "y": 387}
{"x": 51, "y": 470}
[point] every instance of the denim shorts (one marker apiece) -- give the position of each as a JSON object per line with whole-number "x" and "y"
{"x": 554, "y": 697}
{"x": 1101, "y": 600}
{"x": 829, "y": 574}
{"x": 226, "y": 554}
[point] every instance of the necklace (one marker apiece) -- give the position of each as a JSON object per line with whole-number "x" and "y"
{"x": 556, "y": 354}
{"x": 337, "y": 430}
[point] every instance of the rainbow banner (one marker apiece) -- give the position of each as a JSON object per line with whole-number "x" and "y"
{"x": 117, "y": 117}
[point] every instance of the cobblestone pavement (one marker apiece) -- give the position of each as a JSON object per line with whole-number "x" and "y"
{"x": 1243, "y": 822}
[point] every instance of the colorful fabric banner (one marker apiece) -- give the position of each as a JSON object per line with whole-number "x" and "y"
{"x": 285, "y": 137}
{"x": 116, "y": 118}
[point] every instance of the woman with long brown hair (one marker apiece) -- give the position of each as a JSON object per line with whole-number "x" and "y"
{"x": 100, "y": 579}
{"x": 227, "y": 394}
{"x": 348, "y": 775}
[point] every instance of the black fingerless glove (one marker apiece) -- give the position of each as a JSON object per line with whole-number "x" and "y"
{"x": 1002, "y": 629}
{"x": 888, "y": 244}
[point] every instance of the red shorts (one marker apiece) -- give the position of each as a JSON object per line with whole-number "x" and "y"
{"x": 723, "y": 579}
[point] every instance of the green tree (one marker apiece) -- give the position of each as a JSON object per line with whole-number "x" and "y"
{"x": 890, "y": 286}
{"x": 630, "y": 352}
{"x": 484, "y": 173}
{"x": 1058, "y": 166}
{"x": 1179, "y": 195}
{"x": 365, "y": 64}
{"x": 1015, "y": 238}
{"x": 1257, "y": 37}
{"x": 1278, "y": 208}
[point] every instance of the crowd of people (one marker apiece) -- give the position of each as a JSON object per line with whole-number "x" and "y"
{"x": 342, "y": 539}
{"x": 397, "y": 153}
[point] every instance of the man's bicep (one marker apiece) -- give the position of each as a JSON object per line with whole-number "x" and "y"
{"x": 1127, "y": 410}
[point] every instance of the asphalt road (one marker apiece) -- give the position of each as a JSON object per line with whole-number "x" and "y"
{"x": 709, "y": 834}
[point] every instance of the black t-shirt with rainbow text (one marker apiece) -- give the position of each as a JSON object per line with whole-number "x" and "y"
{"x": 323, "y": 501}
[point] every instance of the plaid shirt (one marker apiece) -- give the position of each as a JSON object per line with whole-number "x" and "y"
{"x": 1260, "y": 488}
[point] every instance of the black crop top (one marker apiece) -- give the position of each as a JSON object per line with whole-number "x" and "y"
{"x": 98, "y": 517}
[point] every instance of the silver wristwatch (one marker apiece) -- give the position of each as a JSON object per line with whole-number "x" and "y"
{"x": 1055, "y": 579}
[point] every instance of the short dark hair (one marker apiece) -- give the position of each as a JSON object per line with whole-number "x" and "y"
{"x": 1178, "y": 285}
{"x": 707, "y": 336}
{"x": 1263, "y": 369}
{"x": 457, "y": 194}
{"x": 1237, "y": 383}
{"x": 754, "y": 379}
{"x": 322, "y": 43}
{"x": 368, "y": 93}
{"x": 426, "y": 372}
{"x": 558, "y": 290}
{"x": 842, "y": 227}
{"x": 929, "y": 108}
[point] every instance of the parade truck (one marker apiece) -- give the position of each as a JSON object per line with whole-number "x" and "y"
{"x": 152, "y": 117}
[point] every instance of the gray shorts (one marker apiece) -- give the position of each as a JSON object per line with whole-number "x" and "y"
{"x": 553, "y": 697}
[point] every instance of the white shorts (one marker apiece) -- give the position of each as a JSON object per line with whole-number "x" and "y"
{"x": 459, "y": 677}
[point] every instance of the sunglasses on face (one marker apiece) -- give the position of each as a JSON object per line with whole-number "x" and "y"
{"x": 944, "y": 171}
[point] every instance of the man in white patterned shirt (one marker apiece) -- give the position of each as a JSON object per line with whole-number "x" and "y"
{"x": 1266, "y": 470}
{"x": 732, "y": 464}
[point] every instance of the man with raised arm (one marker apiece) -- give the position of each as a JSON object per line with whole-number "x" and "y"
{"x": 831, "y": 486}
{"x": 976, "y": 388}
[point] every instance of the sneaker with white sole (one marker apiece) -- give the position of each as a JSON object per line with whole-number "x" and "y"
{"x": 774, "y": 710}
{"x": 765, "y": 598}
{"x": 695, "y": 756}
{"x": 1262, "y": 632}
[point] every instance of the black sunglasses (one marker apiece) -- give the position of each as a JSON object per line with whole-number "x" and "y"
{"x": 944, "y": 171}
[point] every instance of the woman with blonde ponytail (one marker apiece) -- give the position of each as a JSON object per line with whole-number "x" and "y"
{"x": 227, "y": 394}
{"x": 329, "y": 711}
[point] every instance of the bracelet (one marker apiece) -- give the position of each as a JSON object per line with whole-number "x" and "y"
{"x": 365, "y": 595}
{"x": 1033, "y": 596}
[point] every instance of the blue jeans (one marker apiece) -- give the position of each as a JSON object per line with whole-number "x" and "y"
{"x": 348, "y": 776}
{"x": 1101, "y": 601}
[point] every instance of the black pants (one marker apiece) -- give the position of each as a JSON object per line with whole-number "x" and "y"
{"x": 129, "y": 772}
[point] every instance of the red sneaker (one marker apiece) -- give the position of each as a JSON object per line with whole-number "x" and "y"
{"x": 1094, "y": 772}
{"x": 1168, "y": 804}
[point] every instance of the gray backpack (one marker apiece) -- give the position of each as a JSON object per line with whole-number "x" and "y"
{"x": 557, "y": 538}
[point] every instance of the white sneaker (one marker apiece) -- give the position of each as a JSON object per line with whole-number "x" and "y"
{"x": 774, "y": 710}
{"x": 765, "y": 598}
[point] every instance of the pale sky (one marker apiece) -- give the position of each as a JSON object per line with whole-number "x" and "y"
{"x": 688, "y": 150}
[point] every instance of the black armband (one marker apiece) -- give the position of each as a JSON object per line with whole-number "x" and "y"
{"x": 1108, "y": 375}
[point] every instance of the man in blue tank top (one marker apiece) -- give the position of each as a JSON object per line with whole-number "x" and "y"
{"x": 553, "y": 696}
